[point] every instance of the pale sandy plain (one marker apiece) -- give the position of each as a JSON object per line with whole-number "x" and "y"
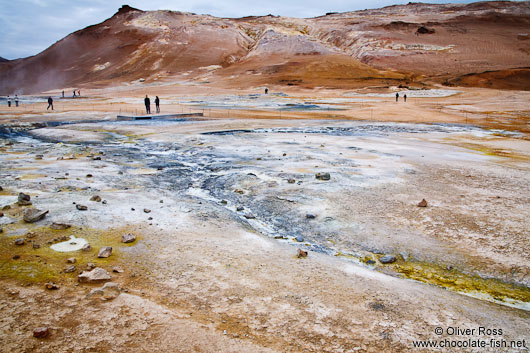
{"x": 204, "y": 277}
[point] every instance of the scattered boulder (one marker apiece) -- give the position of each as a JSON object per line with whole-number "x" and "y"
{"x": 224, "y": 202}
{"x": 20, "y": 241}
{"x": 24, "y": 199}
{"x": 1, "y": 214}
{"x": 240, "y": 208}
{"x": 71, "y": 260}
{"x": 96, "y": 198}
{"x": 249, "y": 216}
{"x": 301, "y": 253}
{"x": 96, "y": 275}
{"x": 299, "y": 238}
{"x": 32, "y": 215}
{"x": 36, "y": 246}
{"x": 90, "y": 266}
{"x": 70, "y": 269}
{"x": 89, "y": 175}
{"x": 423, "y": 203}
{"x": 16, "y": 257}
{"x": 128, "y": 238}
{"x": 60, "y": 226}
{"x": 310, "y": 216}
{"x": 109, "y": 291}
{"x": 323, "y": 176}
{"x": 86, "y": 247}
{"x": 41, "y": 332}
{"x": 51, "y": 286}
{"x": 105, "y": 251}
{"x": 387, "y": 259}
{"x": 291, "y": 181}
{"x": 81, "y": 207}
{"x": 117, "y": 269}
{"x": 146, "y": 210}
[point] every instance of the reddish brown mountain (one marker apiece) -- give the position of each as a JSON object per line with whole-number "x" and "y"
{"x": 480, "y": 44}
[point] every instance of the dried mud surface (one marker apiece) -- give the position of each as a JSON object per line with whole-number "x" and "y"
{"x": 204, "y": 276}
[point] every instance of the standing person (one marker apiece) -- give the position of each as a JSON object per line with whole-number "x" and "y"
{"x": 50, "y": 103}
{"x": 63, "y": 94}
{"x": 147, "y": 102}
{"x": 266, "y": 90}
{"x": 74, "y": 93}
{"x": 79, "y": 93}
{"x": 157, "y": 104}
{"x": 397, "y": 97}
{"x": 8, "y": 101}
{"x": 16, "y": 100}
{"x": 405, "y": 98}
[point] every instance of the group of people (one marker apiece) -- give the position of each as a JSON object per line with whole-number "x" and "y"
{"x": 9, "y": 101}
{"x": 404, "y": 97}
{"x": 147, "y": 103}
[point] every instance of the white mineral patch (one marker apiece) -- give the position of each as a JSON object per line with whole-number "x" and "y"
{"x": 73, "y": 244}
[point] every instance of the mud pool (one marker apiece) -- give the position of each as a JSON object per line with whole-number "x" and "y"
{"x": 264, "y": 180}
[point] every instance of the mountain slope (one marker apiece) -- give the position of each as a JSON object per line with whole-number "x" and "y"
{"x": 397, "y": 44}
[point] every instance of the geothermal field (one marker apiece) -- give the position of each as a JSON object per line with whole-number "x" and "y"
{"x": 323, "y": 215}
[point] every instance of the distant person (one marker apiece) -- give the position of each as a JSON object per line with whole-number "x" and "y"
{"x": 74, "y": 93}
{"x": 63, "y": 94}
{"x": 405, "y": 98}
{"x": 266, "y": 91}
{"x": 79, "y": 93}
{"x": 8, "y": 101}
{"x": 397, "y": 97}
{"x": 147, "y": 102}
{"x": 50, "y": 103}
{"x": 16, "y": 100}
{"x": 157, "y": 104}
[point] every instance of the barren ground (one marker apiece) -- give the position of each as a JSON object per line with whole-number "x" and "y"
{"x": 203, "y": 276}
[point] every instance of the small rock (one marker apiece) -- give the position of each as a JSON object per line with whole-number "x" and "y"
{"x": 70, "y": 269}
{"x": 96, "y": 158}
{"x": 249, "y": 216}
{"x": 302, "y": 253}
{"x": 291, "y": 181}
{"x": 16, "y": 257}
{"x": 285, "y": 154}
{"x": 96, "y": 275}
{"x": 20, "y": 241}
{"x": 404, "y": 256}
{"x": 24, "y": 199}
{"x": 60, "y": 226}
{"x": 89, "y": 175}
{"x": 36, "y": 246}
{"x": 109, "y": 291}
{"x": 224, "y": 202}
{"x": 1, "y": 214}
{"x": 105, "y": 251}
{"x": 32, "y": 215}
{"x": 387, "y": 259}
{"x": 132, "y": 209}
{"x": 90, "y": 266}
{"x": 370, "y": 262}
{"x": 128, "y": 238}
{"x": 239, "y": 191}
{"x": 146, "y": 210}
{"x": 240, "y": 208}
{"x": 71, "y": 260}
{"x": 31, "y": 235}
{"x": 86, "y": 247}
{"x": 423, "y": 203}
{"x": 150, "y": 219}
{"x": 96, "y": 198}
{"x": 323, "y": 176}
{"x": 1, "y": 230}
{"x": 52, "y": 286}
{"x": 1, "y": 188}
{"x": 310, "y": 216}
{"x": 117, "y": 269}
{"x": 41, "y": 332}
{"x": 81, "y": 207}
{"x": 299, "y": 238}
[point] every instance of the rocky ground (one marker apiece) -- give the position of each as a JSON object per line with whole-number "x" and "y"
{"x": 300, "y": 234}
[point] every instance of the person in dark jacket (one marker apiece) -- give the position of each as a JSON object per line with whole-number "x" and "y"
{"x": 157, "y": 104}
{"x": 397, "y": 97}
{"x": 147, "y": 102}
{"x": 50, "y": 103}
